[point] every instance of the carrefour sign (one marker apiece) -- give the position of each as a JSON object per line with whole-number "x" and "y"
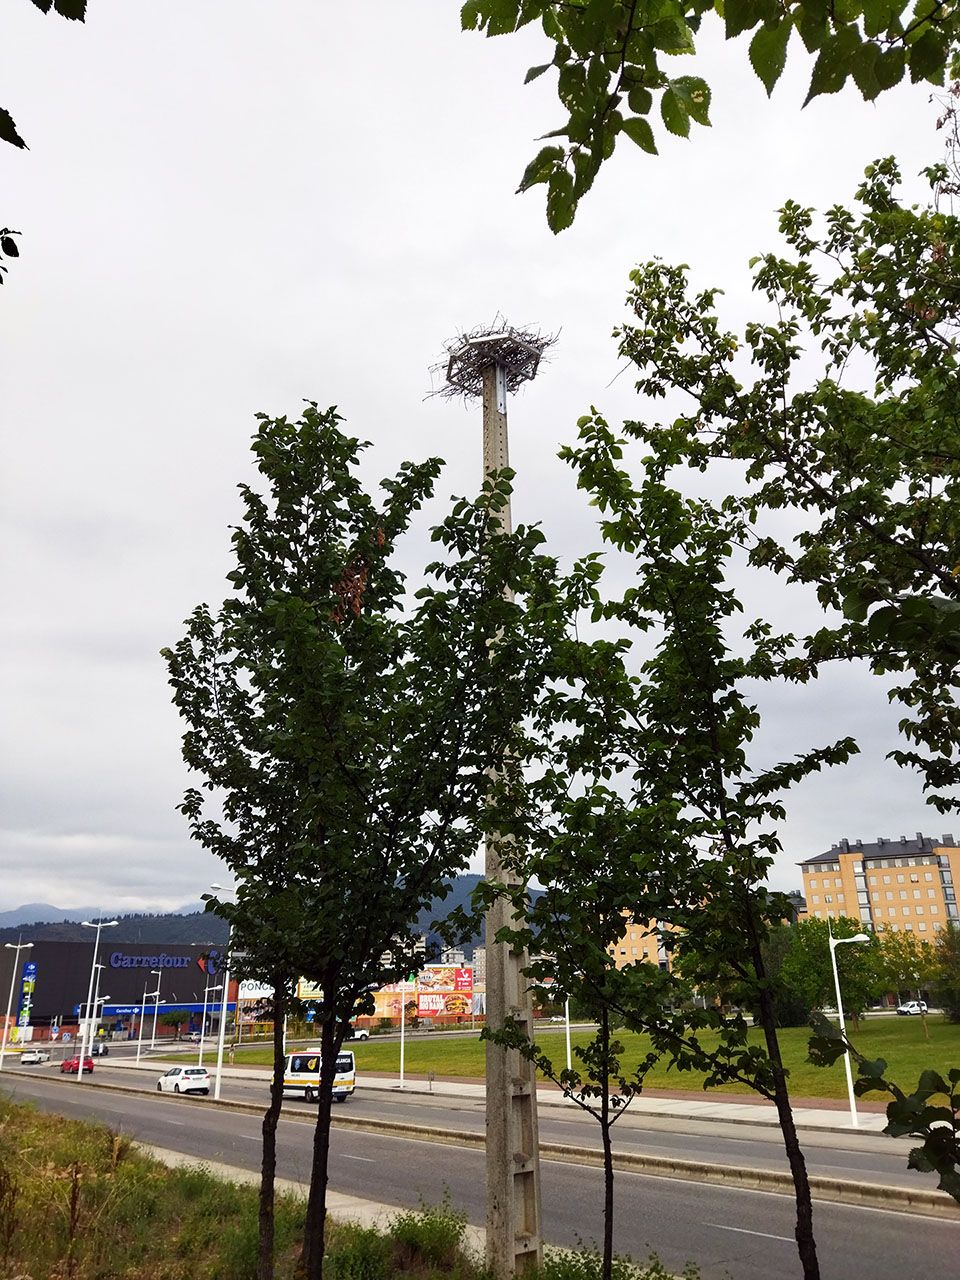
{"x": 120, "y": 960}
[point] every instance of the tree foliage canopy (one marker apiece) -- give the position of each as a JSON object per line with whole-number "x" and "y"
{"x": 615, "y": 61}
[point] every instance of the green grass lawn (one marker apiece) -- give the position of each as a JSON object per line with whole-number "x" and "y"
{"x": 899, "y": 1040}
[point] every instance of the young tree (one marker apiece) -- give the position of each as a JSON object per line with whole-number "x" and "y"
{"x": 908, "y": 963}
{"x": 806, "y": 967}
{"x": 343, "y": 730}
{"x": 614, "y": 60}
{"x": 872, "y": 300}
{"x": 643, "y": 803}
{"x": 175, "y": 1018}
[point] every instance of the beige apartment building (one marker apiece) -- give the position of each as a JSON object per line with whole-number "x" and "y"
{"x": 887, "y": 884}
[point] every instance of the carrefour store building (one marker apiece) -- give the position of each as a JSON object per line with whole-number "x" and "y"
{"x": 51, "y": 980}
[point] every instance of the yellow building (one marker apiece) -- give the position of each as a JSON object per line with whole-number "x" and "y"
{"x": 890, "y": 884}
{"x": 640, "y": 941}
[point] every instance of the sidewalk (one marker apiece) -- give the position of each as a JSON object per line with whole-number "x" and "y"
{"x": 826, "y": 1115}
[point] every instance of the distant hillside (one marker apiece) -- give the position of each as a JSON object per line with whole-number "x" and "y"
{"x": 187, "y": 929}
{"x": 31, "y": 912}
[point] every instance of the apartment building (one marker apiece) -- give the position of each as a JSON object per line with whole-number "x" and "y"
{"x": 887, "y": 884}
{"x": 641, "y": 941}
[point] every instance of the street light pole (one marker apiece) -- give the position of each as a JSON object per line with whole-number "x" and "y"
{"x": 224, "y": 1001}
{"x": 17, "y": 946}
{"x": 158, "y": 973}
{"x": 143, "y": 1014}
{"x": 834, "y": 943}
{"x": 89, "y": 924}
{"x": 566, "y": 1018}
{"x": 203, "y": 1022}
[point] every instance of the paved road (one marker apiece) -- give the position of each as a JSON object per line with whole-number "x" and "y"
{"x": 746, "y": 1235}
{"x": 858, "y": 1157}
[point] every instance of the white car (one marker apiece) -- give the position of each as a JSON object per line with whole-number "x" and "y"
{"x": 184, "y": 1080}
{"x": 912, "y": 1007}
{"x": 33, "y": 1057}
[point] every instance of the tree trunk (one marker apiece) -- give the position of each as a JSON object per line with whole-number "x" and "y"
{"x": 607, "y": 1154}
{"x": 271, "y": 1117}
{"x": 310, "y": 1266}
{"x": 806, "y": 1243}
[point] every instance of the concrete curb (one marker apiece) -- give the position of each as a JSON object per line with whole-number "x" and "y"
{"x": 897, "y": 1199}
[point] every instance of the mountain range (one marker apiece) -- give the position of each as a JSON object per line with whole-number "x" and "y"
{"x": 190, "y": 926}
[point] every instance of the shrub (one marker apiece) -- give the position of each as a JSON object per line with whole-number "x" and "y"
{"x": 430, "y": 1237}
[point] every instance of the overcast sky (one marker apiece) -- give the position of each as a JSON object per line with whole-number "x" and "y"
{"x": 232, "y": 206}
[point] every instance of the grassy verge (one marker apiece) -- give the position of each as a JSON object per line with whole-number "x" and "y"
{"x": 899, "y": 1040}
{"x": 77, "y": 1202}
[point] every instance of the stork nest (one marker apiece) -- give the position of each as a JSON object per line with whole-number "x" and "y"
{"x": 517, "y": 351}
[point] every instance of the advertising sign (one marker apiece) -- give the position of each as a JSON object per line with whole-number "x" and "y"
{"x": 307, "y": 990}
{"x": 253, "y": 989}
{"x": 28, "y": 983}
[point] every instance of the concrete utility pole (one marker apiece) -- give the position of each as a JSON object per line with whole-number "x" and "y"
{"x": 490, "y": 363}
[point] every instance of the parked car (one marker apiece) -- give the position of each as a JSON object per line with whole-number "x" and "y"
{"x": 911, "y": 1008}
{"x": 184, "y": 1080}
{"x": 33, "y": 1057}
{"x": 99, "y": 1049}
{"x": 356, "y": 1033}
{"x": 194, "y": 1037}
{"x": 71, "y": 1066}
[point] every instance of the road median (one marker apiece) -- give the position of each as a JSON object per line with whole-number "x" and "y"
{"x": 898, "y": 1199}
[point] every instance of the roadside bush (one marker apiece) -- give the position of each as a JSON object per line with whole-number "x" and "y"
{"x": 587, "y": 1264}
{"x": 430, "y": 1238}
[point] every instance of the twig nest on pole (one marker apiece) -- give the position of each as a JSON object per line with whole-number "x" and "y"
{"x": 517, "y": 352}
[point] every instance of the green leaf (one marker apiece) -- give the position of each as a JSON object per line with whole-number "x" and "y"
{"x": 8, "y": 130}
{"x": 541, "y": 167}
{"x": 889, "y": 67}
{"x": 865, "y": 73}
{"x": 73, "y": 9}
{"x": 640, "y": 100}
{"x": 9, "y": 246}
{"x": 43, "y": 5}
{"x": 641, "y": 133}
{"x": 927, "y": 56}
{"x": 694, "y": 94}
{"x": 561, "y": 201}
{"x": 534, "y": 72}
{"x": 741, "y": 15}
{"x": 835, "y": 63}
{"x": 469, "y": 15}
{"x": 877, "y": 16}
{"x": 768, "y": 52}
{"x": 674, "y": 114}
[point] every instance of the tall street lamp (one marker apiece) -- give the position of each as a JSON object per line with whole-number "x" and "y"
{"x": 158, "y": 974}
{"x": 224, "y": 1001}
{"x": 207, "y": 992}
{"x": 99, "y": 924}
{"x": 834, "y": 943}
{"x": 17, "y": 946}
{"x": 143, "y": 1014}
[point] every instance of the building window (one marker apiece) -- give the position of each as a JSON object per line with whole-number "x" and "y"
{"x": 828, "y": 897}
{"x": 900, "y": 879}
{"x": 889, "y": 895}
{"x": 937, "y": 926}
{"x": 838, "y": 884}
{"x": 931, "y": 893}
{"x": 816, "y": 897}
{"x": 928, "y": 875}
{"x": 873, "y": 879}
{"x": 813, "y": 884}
{"x": 908, "y": 927}
{"x": 914, "y": 878}
{"x": 886, "y": 879}
{"x": 919, "y": 910}
{"x": 633, "y": 952}
{"x": 922, "y": 926}
{"x": 892, "y": 911}
{"x": 934, "y": 910}
{"x": 903, "y": 895}
{"x": 876, "y": 896}
{"x": 906, "y": 911}
{"x": 839, "y": 897}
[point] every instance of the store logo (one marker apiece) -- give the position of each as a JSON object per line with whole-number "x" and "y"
{"x": 210, "y": 963}
{"x": 120, "y": 960}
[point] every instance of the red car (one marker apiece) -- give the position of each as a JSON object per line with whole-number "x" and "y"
{"x": 71, "y": 1066}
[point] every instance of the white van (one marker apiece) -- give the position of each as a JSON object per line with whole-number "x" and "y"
{"x": 301, "y": 1077}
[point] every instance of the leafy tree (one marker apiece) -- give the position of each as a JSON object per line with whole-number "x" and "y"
{"x": 343, "y": 730}
{"x": 806, "y": 968}
{"x": 643, "y": 802}
{"x": 614, "y": 61}
{"x": 907, "y": 963}
{"x": 948, "y": 971}
{"x": 175, "y": 1018}
{"x": 870, "y": 300}
{"x": 792, "y": 1007}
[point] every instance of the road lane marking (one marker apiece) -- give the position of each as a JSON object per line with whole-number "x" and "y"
{"x": 365, "y": 1159}
{"x": 744, "y": 1232}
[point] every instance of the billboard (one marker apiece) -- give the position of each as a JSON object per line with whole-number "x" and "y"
{"x": 444, "y": 991}
{"x": 28, "y": 984}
